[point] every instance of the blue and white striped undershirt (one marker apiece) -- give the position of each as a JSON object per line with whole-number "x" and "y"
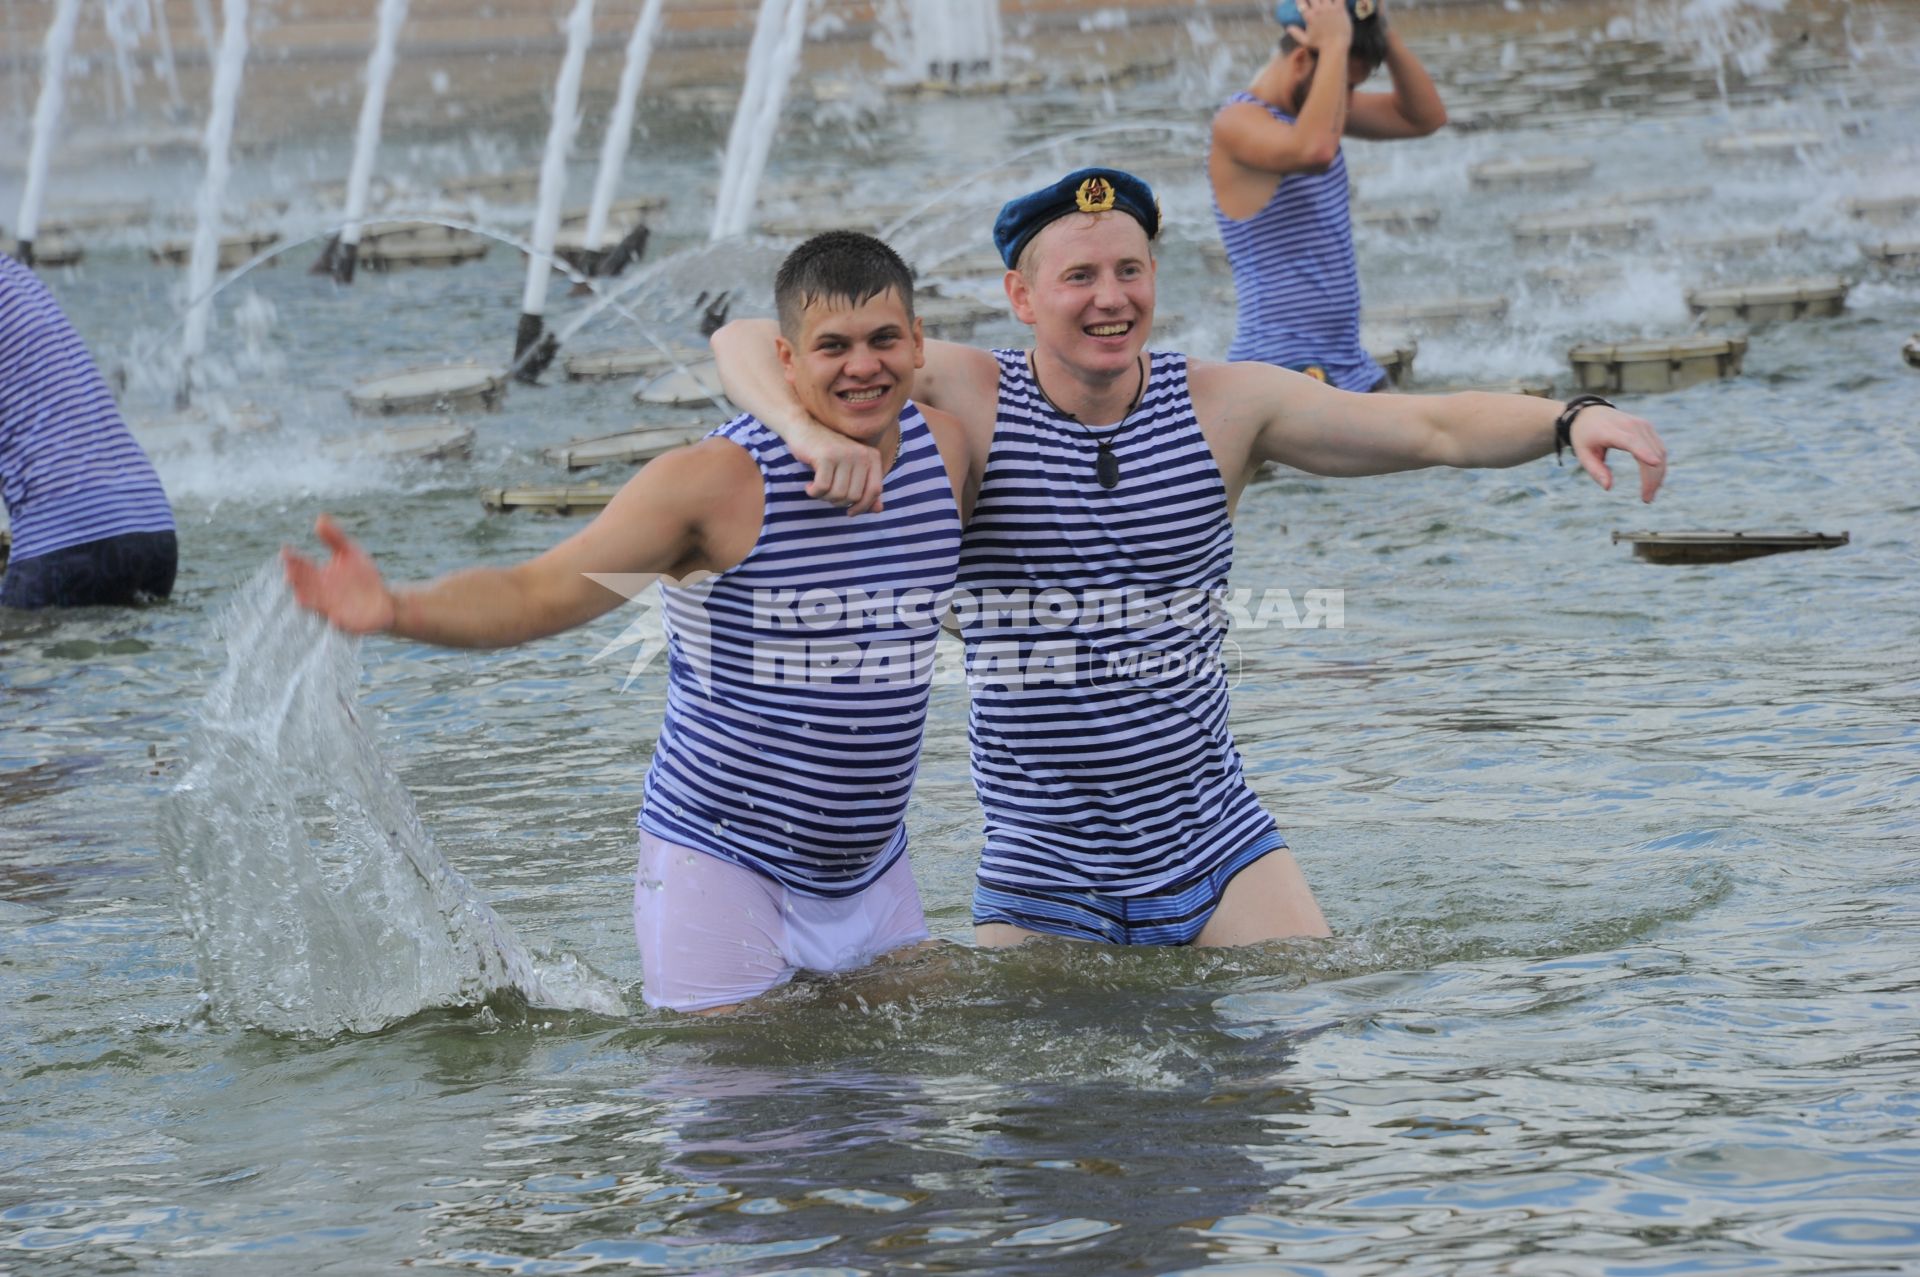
{"x": 70, "y": 471}
{"x": 1123, "y": 777}
{"x": 798, "y": 679}
{"x": 1296, "y": 277}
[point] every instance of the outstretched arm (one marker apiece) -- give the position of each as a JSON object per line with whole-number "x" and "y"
{"x": 1299, "y": 422}
{"x": 663, "y": 521}
{"x": 1413, "y": 109}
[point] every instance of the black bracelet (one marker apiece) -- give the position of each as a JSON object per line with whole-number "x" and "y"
{"x": 1563, "y": 424}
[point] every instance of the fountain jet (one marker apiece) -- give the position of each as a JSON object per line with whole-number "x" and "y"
{"x": 46, "y": 122}
{"x": 533, "y": 347}
{"x": 955, "y": 39}
{"x": 343, "y": 251}
{"x": 777, "y": 37}
{"x": 205, "y": 258}
{"x": 168, "y": 72}
{"x": 613, "y": 149}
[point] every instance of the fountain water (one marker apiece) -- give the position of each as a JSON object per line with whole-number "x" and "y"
{"x": 531, "y": 354}
{"x": 203, "y": 19}
{"x": 168, "y": 73}
{"x": 955, "y": 39}
{"x": 204, "y": 261}
{"x": 313, "y": 893}
{"x": 613, "y": 148}
{"x": 46, "y": 121}
{"x": 126, "y": 21}
{"x": 777, "y": 38}
{"x": 344, "y": 252}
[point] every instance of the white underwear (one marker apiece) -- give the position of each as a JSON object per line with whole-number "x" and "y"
{"x": 712, "y": 933}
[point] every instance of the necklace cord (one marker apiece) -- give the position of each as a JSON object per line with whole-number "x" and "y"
{"x": 1104, "y": 441}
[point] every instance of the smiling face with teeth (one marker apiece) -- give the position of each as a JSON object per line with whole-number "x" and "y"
{"x": 851, "y": 364}
{"x": 1086, "y": 287}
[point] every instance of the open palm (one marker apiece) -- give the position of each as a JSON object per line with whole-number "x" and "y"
{"x": 347, "y": 591}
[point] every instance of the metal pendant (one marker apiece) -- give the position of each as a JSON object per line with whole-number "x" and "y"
{"x": 1107, "y": 467}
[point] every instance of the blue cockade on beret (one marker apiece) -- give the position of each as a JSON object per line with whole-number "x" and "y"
{"x": 1287, "y": 12}
{"x": 1087, "y": 190}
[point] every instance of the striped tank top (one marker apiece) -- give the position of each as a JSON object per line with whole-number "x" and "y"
{"x": 70, "y": 472}
{"x": 1296, "y": 277}
{"x": 797, "y": 680}
{"x": 1094, "y": 646}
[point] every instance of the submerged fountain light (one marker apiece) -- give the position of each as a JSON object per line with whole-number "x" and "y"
{"x": 625, "y": 447}
{"x": 1656, "y": 363}
{"x": 1769, "y": 303}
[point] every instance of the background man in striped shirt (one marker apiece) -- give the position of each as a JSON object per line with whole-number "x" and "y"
{"x": 1116, "y": 804}
{"x": 90, "y": 521}
{"x": 772, "y": 838}
{"x": 1279, "y": 183}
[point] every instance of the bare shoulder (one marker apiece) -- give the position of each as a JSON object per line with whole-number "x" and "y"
{"x": 1224, "y": 390}
{"x": 707, "y": 465}
{"x": 705, "y": 482}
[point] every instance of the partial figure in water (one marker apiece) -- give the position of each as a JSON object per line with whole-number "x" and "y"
{"x": 1279, "y": 179}
{"x": 1096, "y": 561}
{"x": 801, "y": 644}
{"x": 91, "y": 525}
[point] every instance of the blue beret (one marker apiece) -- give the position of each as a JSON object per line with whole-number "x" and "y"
{"x": 1087, "y": 190}
{"x": 1287, "y": 12}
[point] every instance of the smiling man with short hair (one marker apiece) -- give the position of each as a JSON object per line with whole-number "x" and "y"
{"x": 773, "y": 835}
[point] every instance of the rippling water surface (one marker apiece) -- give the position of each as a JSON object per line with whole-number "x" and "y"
{"x": 1623, "y": 859}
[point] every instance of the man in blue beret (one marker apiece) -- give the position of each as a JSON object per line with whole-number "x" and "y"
{"x": 1280, "y": 183}
{"x": 1103, "y": 479}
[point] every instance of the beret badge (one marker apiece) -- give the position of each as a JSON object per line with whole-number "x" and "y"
{"x": 1094, "y": 196}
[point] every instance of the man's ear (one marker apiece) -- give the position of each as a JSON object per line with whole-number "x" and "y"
{"x": 784, "y": 348}
{"x": 919, "y": 342}
{"x": 1020, "y": 296}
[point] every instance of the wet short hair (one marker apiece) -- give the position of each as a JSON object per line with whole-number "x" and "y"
{"x": 1369, "y": 41}
{"x": 840, "y": 266}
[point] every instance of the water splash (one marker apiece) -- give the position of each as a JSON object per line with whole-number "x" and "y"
{"x": 1715, "y": 34}
{"x": 316, "y": 901}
